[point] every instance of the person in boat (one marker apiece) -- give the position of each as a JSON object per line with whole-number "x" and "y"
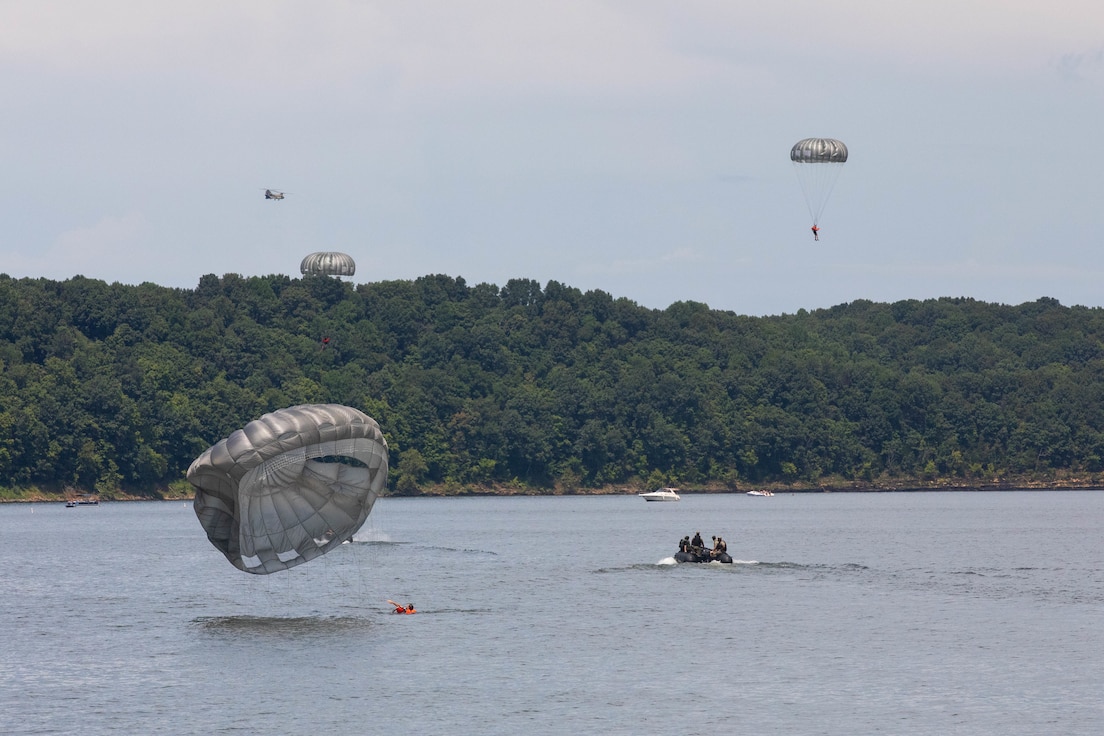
{"x": 697, "y": 541}
{"x": 684, "y": 544}
{"x": 719, "y": 548}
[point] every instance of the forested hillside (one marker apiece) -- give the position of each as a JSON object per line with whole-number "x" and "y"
{"x": 112, "y": 387}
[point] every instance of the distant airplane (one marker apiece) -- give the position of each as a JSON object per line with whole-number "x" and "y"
{"x": 273, "y": 194}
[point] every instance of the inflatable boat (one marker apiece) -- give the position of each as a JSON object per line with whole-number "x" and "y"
{"x": 702, "y": 557}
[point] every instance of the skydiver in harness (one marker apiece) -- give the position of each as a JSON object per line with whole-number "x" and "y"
{"x": 816, "y": 232}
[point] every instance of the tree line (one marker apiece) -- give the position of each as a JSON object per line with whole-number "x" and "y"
{"x": 113, "y": 387}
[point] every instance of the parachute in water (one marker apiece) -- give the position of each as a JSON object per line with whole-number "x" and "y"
{"x": 818, "y": 162}
{"x": 328, "y": 263}
{"x": 290, "y": 486}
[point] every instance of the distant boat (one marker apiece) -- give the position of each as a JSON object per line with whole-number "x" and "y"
{"x": 663, "y": 494}
{"x": 85, "y": 500}
{"x": 762, "y": 492}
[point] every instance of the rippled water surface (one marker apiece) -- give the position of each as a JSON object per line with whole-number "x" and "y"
{"x": 933, "y": 613}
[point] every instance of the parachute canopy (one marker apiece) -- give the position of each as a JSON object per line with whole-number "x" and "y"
{"x": 329, "y": 264}
{"x": 290, "y": 486}
{"x": 819, "y": 150}
{"x": 818, "y": 162}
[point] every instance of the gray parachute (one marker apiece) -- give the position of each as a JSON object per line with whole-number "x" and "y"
{"x": 329, "y": 263}
{"x": 819, "y": 150}
{"x": 817, "y": 163}
{"x": 290, "y": 486}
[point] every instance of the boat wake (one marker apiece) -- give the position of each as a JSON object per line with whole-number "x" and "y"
{"x": 370, "y": 535}
{"x": 414, "y": 545}
{"x": 667, "y": 561}
{"x": 462, "y": 550}
{"x": 762, "y": 567}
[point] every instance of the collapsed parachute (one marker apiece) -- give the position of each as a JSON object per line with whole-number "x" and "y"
{"x": 290, "y": 486}
{"x": 818, "y": 162}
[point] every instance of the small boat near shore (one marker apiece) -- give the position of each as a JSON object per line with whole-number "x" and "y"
{"x": 663, "y": 494}
{"x": 760, "y": 492}
{"x": 82, "y": 501}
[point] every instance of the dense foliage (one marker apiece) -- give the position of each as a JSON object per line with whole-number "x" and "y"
{"x": 110, "y": 386}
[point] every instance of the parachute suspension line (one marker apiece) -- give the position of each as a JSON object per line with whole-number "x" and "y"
{"x": 374, "y": 528}
{"x": 806, "y": 191}
{"x": 354, "y": 574}
{"x": 277, "y": 594}
{"x": 817, "y": 163}
{"x": 831, "y": 185}
{"x": 817, "y": 182}
{"x": 362, "y": 570}
{"x": 288, "y": 593}
{"x": 364, "y": 553}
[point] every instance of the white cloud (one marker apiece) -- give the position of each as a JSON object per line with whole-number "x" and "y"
{"x": 992, "y": 35}
{"x": 422, "y": 49}
{"x": 415, "y": 47}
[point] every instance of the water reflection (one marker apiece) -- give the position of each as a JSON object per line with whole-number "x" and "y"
{"x": 280, "y": 627}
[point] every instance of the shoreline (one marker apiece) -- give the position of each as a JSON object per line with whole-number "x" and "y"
{"x": 36, "y": 495}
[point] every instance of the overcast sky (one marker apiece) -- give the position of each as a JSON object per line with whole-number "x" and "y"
{"x": 640, "y": 147}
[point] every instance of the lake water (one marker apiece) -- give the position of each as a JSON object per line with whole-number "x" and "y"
{"x": 926, "y": 613}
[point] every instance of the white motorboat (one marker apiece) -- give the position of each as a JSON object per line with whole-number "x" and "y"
{"x": 763, "y": 492}
{"x": 663, "y": 494}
